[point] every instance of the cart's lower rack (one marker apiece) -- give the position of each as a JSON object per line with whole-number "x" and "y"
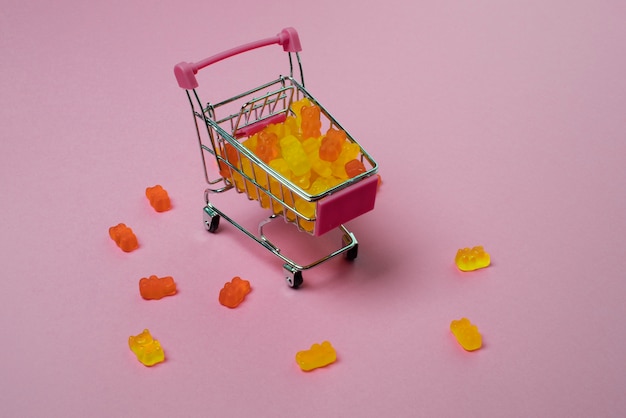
{"x": 292, "y": 270}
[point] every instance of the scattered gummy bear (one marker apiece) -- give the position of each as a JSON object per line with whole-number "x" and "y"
{"x": 147, "y": 349}
{"x": 234, "y": 292}
{"x": 472, "y": 259}
{"x": 466, "y": 334}
{"x": 123, "y": 237}
{"x": 319, "y": 355}
{"x": 158, "y": 198}
{"x": 156, "y": 288}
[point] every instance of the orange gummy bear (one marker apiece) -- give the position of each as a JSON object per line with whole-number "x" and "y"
{"x": 156, "y": 288}
{"x": 332, "y": 144}
{"x": 354, "y": 168}
{"x": 466, "y": 334}
{"x": 311, "y": 123}
{"x": 232, "y": 156}
{"x": 158, "y": 197}
{"x": 319, "y": 355}
{"x": 124, "y": 237}
{"x": 234, "y": 292}
{"x": 267, "y": 146}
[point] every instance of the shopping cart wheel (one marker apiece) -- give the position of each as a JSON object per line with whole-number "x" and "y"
{"x": 211, "y": 221}
{"x": 213, "y": 224}
{"x": 352, "y": 253}
{"x": 293, "y": 277}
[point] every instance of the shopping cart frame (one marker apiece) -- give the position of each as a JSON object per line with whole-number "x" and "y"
{"x": 239, "y": 168}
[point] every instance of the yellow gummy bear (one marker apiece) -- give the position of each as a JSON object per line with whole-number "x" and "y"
{"x": 466, "y": 334}
{"x": 261, "y": 177}
{"x": 312, "y": 145}
{"x": 147, "y": 349}
{"x": 296, "y": 107}
{"x": 291, "y": 126}
{"x": 247, "y": 166}
{"x": 282, "y": 192}
{"x": 307, "y": 209}
{"x": 319, "y": 355}
{"x": 280, "y": 129}
{"x": 349, "y": 151}
{"x": 295, "y": 156}
{"x": 251, "y": 142}
{"x": 472, "y": 259}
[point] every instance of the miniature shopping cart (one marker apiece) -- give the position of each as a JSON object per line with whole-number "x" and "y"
{"x": 222, "y": 129}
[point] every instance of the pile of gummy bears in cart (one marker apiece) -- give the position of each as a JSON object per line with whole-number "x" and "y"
{"x": 302, "y": 154}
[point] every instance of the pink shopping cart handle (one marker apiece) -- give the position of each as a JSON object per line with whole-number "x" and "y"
{"x": 185, "y": 72}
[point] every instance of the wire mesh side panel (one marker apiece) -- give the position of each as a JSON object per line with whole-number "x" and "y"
{"x": 214, "y": 129}
{"x": 239, "y": 166}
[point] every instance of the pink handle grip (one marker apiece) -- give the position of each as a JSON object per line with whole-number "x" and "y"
{"x": 185, "y": 72}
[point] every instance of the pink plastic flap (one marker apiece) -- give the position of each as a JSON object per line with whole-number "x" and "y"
{"x": 345, "y": 205}
{"x": 260, "y": 125}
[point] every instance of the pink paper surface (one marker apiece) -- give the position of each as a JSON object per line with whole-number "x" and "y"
{"x": 494, "y": 123}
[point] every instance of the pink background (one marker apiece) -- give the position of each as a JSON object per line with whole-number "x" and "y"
{"x": 494, "y": 123}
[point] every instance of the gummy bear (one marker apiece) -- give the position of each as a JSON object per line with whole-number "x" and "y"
{"x": 332, "y": 144}
{"x": 124, "y": 237}
{"x": 261, "y": 177}
{"x": 279, "y": 129}
{"x": 319, "y": 355}
{"x": 472, "y": 259}
{"x": 232, "y": 156}
{"x": 295, "y": 156}
{"x": 311, "y": 123}
{"x": 349, "y": 151}
{"x": 354, "y": 168}
{"x": 247, "y": 166}
{"x": 267, "y": 146}
{"x": 303, "y": 181}
{"x": 291, "y": 126}
{"x": 147, "y": 349}
{"x": 311, "y": 145}
{"x": 158, "y": 198}
{"x": 282, "y": 192}
{"x": 296, "y": 108}
{"x": 234, "y": 292}
{"x": 307, "y": 209}
{"x": 320, "y": 167}
{"x": 466, "y": 334}
{"x": 156, "y": 288}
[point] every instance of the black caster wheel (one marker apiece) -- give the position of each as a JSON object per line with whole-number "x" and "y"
{"x": 212, "y": 223}
{"x": 353, "y": 252}
{"x": 294, "y": 279}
